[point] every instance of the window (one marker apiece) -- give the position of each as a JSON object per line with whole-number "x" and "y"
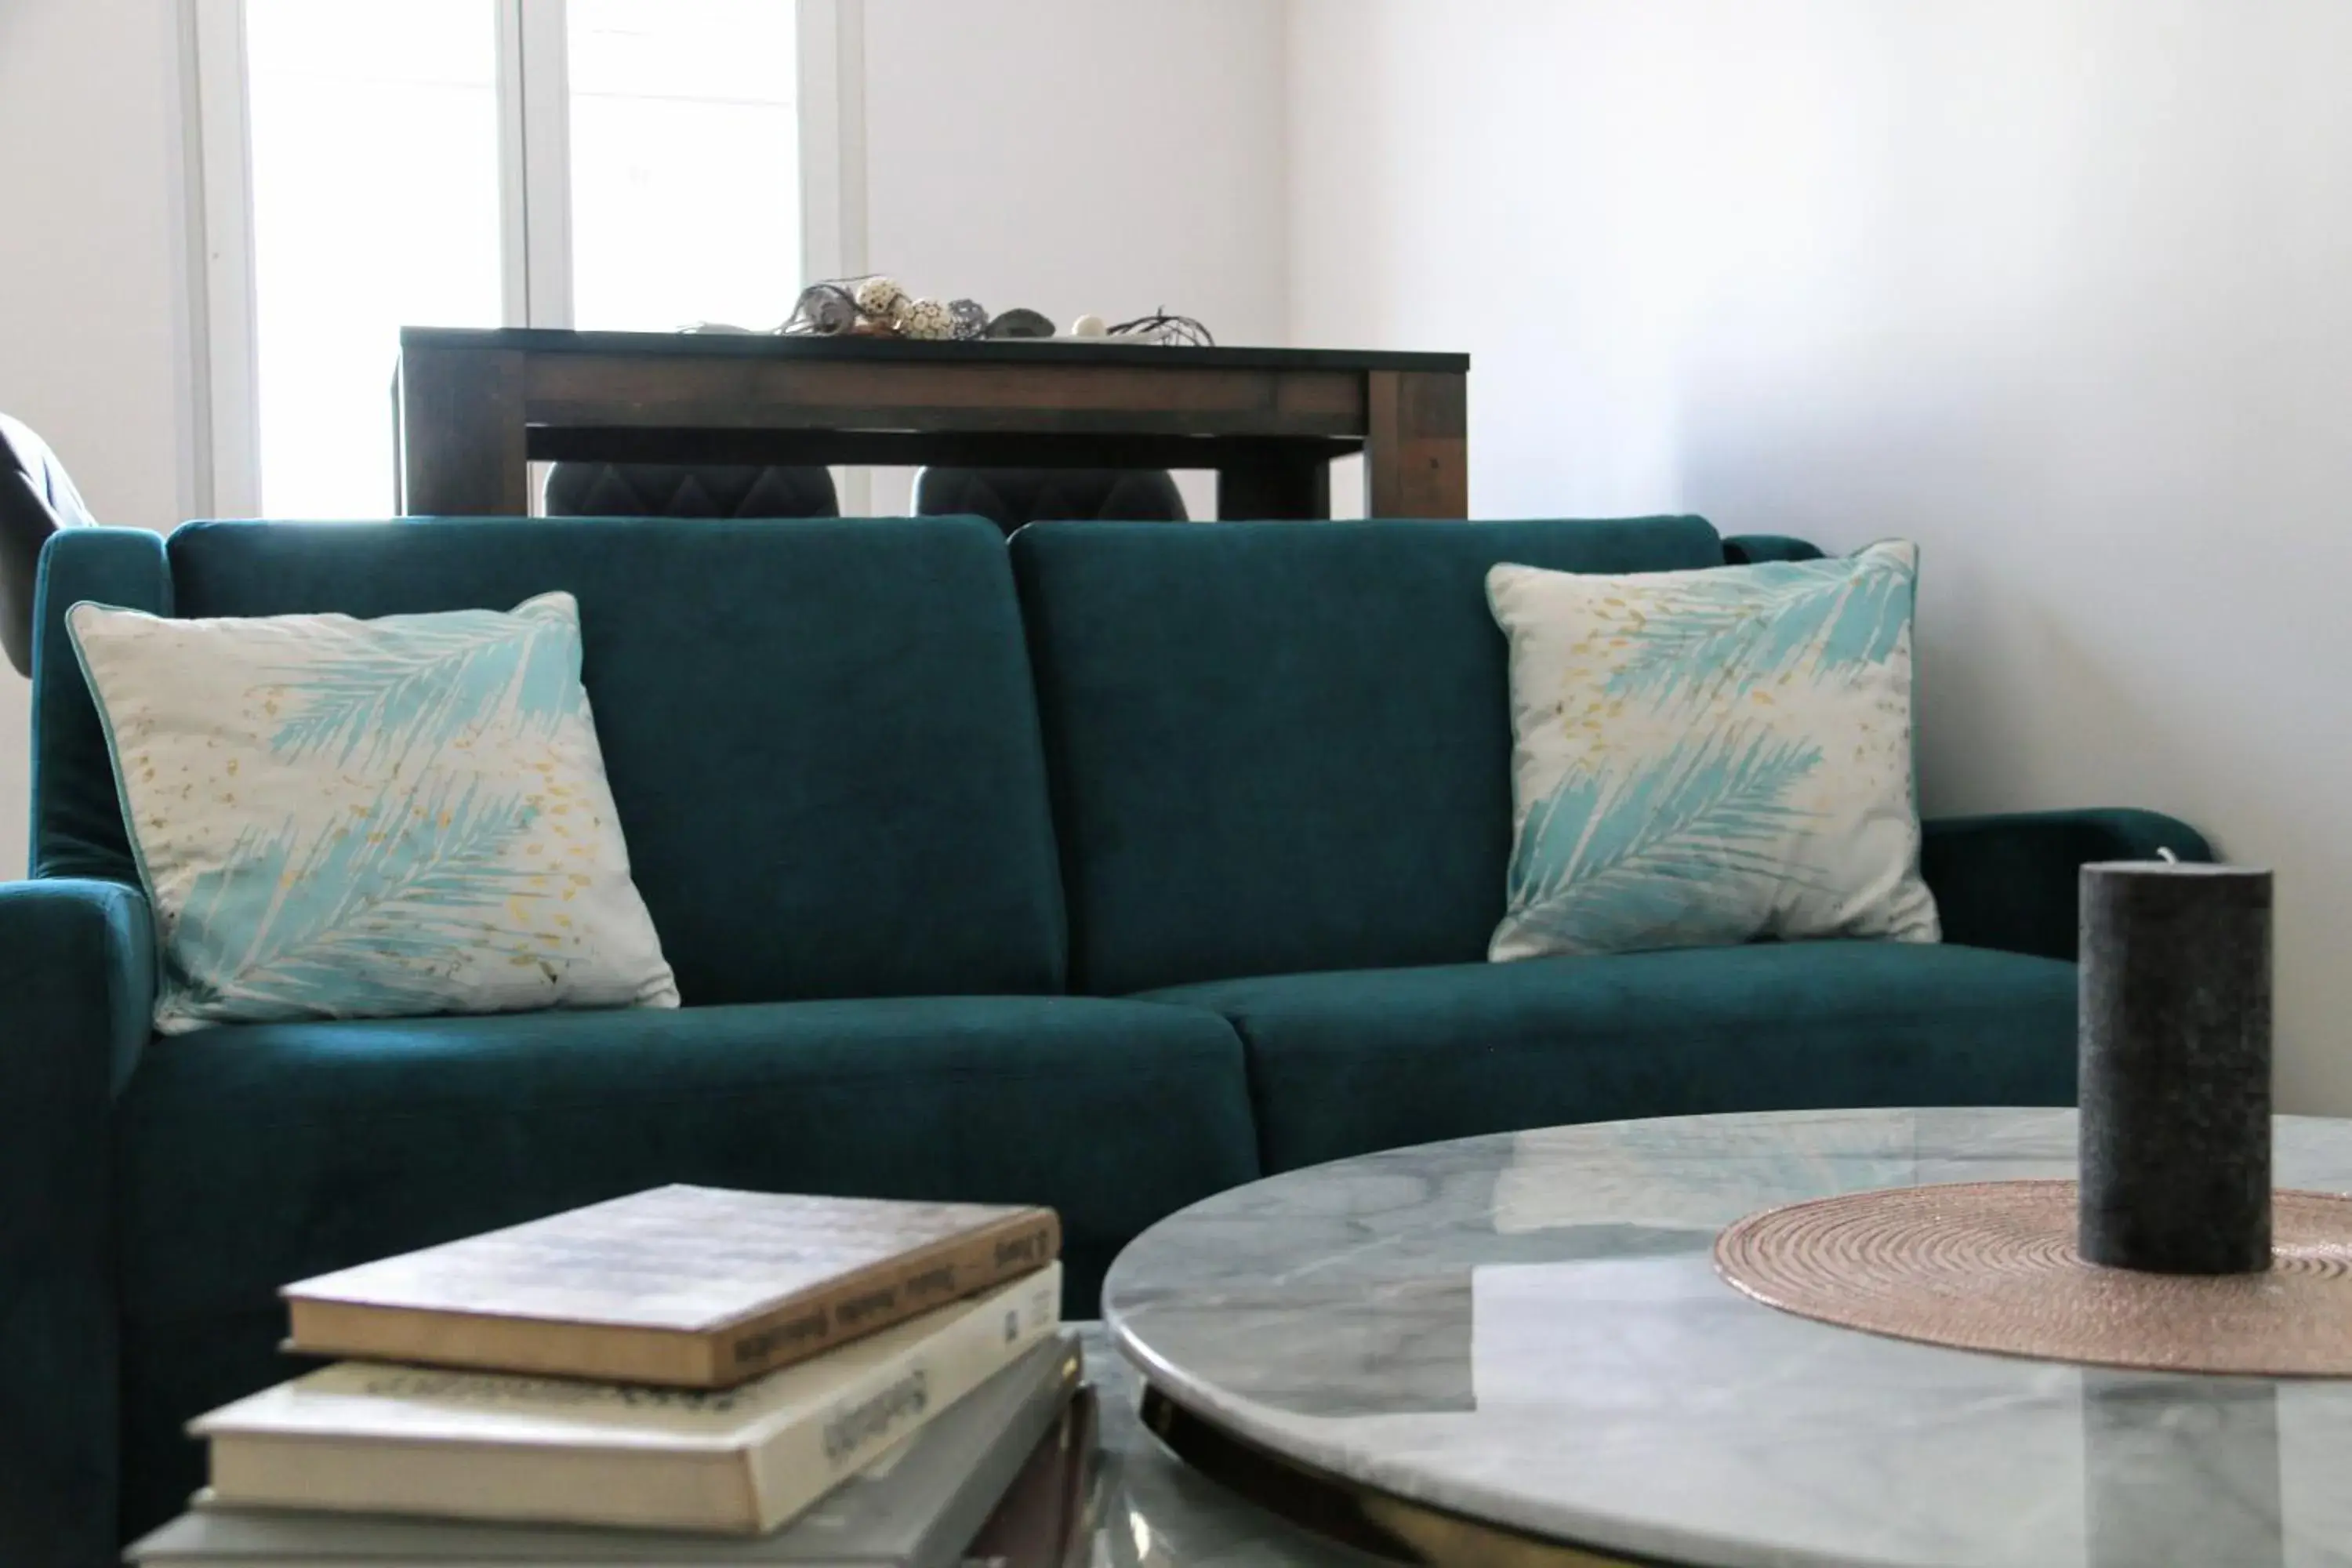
{"x": 375, "y": 205}
{"x": 371, "y": 164}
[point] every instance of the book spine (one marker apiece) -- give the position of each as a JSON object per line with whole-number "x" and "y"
{"x": 803, "y": 1460}
{"x": 888, "y": 1293}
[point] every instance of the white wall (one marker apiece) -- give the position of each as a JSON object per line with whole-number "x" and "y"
{"x": 92, "y": 324}
{"x": 1075, "y": 155}
{"x": 1112, "y": 156}
{"x": 2061, "y": 289}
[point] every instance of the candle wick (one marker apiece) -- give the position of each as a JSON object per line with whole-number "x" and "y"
{"x": 2169, "y": 857}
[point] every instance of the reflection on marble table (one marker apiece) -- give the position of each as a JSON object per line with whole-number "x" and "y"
{"x": 1154, "y": 1512}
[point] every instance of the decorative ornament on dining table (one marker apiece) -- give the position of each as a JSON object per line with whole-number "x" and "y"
{"x": 925, "y": 319}
{"x": 967, "y": 320}
{"x": 1020, "y": 323}
{"x": 823, "y": 310}
{"x": 879, "y": 306}
{"x": 1166, "y": 331}
{"x": 879, "y": 299}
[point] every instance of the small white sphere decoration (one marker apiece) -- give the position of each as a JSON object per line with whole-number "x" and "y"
{"x": 1090, "y": 326}
{"x": 926, "y": 318}
{"x": 880, "y": 297}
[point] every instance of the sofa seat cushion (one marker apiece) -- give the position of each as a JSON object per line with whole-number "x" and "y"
{"x": 1345, "y": 1062}
{"x": 250, "y": 1156}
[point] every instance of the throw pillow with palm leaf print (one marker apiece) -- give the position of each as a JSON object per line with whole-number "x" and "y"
{"x": 1713, "y": 757}
{"x": 339, "y": 819}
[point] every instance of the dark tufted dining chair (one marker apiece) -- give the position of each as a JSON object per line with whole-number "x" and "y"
{"x": 690, "y": 489}
{"x": 1011, "y": 496}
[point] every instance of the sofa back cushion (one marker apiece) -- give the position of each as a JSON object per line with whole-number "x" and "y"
{"x": 821, "y": 735}
{"x": 1284, "y": 747}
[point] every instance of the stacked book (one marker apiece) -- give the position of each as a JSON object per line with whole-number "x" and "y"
{"x": 687, "y": 1375}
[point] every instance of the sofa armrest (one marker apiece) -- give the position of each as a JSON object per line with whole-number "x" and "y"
{"x": 76, "y": 989}
{"x": 2013, "y": 883}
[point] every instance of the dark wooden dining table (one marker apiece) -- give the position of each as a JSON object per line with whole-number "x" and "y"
{"x": 473, "y": 409}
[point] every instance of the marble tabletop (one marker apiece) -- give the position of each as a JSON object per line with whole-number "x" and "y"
{"x": 1527, "y": 1329}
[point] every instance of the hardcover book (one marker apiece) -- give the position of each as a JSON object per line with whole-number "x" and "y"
{"x": 367, "y": 1438}
{"x": 679, "y": 1286}
{"x": 1044, "y": 1520}
{"x": 916, "y": 1506}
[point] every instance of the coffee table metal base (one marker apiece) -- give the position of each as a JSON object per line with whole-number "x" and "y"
{"x": 1390, "y": 1527}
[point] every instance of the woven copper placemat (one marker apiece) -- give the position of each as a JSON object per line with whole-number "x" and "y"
{"x": 1991, "y": 1266}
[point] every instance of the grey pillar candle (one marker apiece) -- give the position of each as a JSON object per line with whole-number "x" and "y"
{"x": 2176, "y": 1067}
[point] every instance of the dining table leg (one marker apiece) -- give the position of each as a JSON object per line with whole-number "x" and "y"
{"x": 1416, "y": 444}
{"x": 461, "y": 435}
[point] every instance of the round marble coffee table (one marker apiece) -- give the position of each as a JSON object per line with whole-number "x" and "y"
{"x": 1515, "y": 1348}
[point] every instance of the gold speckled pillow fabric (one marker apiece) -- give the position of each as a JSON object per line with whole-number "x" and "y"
{"x": 339, "y": 819}
{"x": 1713, "y": 757}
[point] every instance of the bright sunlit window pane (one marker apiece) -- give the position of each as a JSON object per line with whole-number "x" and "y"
{"x": 685, "y": 164}
{"x": 375, "y": 206}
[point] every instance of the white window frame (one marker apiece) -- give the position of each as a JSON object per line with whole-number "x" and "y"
{"x": 534, "y": 197}
{"x": 535, "y": 163}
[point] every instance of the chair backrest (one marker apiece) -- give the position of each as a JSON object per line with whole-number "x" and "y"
{"x": 36, "y": 498}
{"x": 1014, "y": 498}
{"x": 690, "y": 489}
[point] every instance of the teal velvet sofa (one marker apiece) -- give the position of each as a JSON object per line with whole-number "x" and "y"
{"x": 1107, "y": 868}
